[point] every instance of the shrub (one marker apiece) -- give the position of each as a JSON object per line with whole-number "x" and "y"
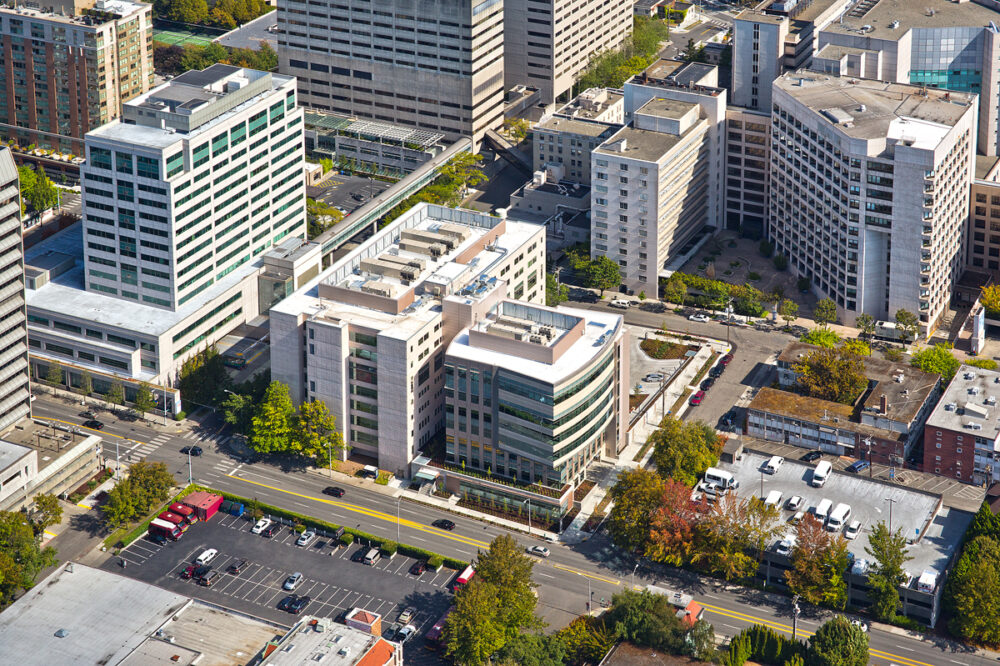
{"x": 780, "y": 262}
{"x": 753, "y": 276}
{"x": 389, "y": 548}
{"x": 347, "y": 538}
{"x": 300, "y": 528}
{"x": 435, "y": 562}
{"x": 180, "y": 416}
{"x": 383, "y": 478}
{"x": 894, "y": 354}
{"x": 765, "y": 248}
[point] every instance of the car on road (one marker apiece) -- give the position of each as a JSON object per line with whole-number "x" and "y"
{"x": 443, "y": 524}
{"x": 209, "y": 579}
{"x": 858, "y": 466}
{"x": 93, "y": 424}
{"x": 261, "y": 525}
{"x": 306, "y": 538}
{"x": 405, "y": 633}
{"x": 293, "y": 581}
{"x": 860, "y": 624}
{"x": 206, "y": 556}
{"x": 853, "y": 530}
{"x": 726, "y": 360}
{"x": 333, "y": 491}
{"x": 271, "y": 531}
{"x": 88, "y": 414}
{"x": 811, "y": 456}
{"x": 193, "y": 450}
{"x": 653, "y": 377}
{"x": 238, "y": 566}
{"x": 418, "y": 568}
{"x": 406, "y": 615}
{"x": 540, "y": 551}
{"x": 794, "y": 503}
{"x": 620, "y": 303}
{"x": 697, "y": 398}
{"x": 708, "y": 383}
{"x": 704, "y": 319}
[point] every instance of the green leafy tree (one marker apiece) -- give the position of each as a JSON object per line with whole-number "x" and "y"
{"x": 86, "y": 384}
{"x": 506, "y": 567}
{"x": 646, "y": 619}
{"x": 675, "y": 290}
{"x": 473, "y": 632}
{"x": 990, "y": 299}
{"x": 120, "y": 507}
{"x": 789, "y": 311}
{"x": 819, "y": 559}
{"x": 316, "y": 435}
{"x": 602, "y": 273}
{"x": 44, "y": 194}
{"x": 320, "y": 217}
{"x": 972, "y": 594}
{"x": 21, "y": 556}
{"x": 272, "y": 426}
{"x": 533, "y": 650}
{"x": 587, "y": 640}
{"x": 984, "y": 363}
{"x": 866, "y": 324}
{"x": 780, "y": 262}
{"x": 765, "y": 248}
{"x": 857, "y": 347}
{"x": 188, "y": 11}
{"x": 144, "y": 400}
{"x": 908, "y": 323}
{"x": 888, "y": 551}
{"x": 825, "y": 312}
{"x": 116, "y": 394}
{"x": 203, "y": 379}
{"x": 636, "y": 495}
{"x": 733, "y": 534}
{"x": 694, "y": 52}
{"x": 838, "y": 643}
{"x": 555, "y": 293}
{"x": 821, "y": 337}
{"x": 832, "y": 374}
{"x": 516, "y": 128}
{"x": 48, "y": 511}
{"x": 150, "y": 484}
{"x": 54, "y": 375}
{"x": 937, "y": 359}
{"x": 238, "y": 411}
{"x": 683, "y": 451}
{"x": 26, "y": 181}
{"x": 700, "y": 641}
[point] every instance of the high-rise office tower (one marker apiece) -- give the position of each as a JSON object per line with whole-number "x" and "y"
{"x": 200, "y": 176}
{"x": 67, "y": 69}
{"x": 14, "y": 392}
{"x": 435, "y": 65}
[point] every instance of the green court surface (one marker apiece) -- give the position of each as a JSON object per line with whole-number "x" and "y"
{"x": 180, "y": 38}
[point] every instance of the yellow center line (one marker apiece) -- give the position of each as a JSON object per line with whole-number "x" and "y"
{"x": 588, "y": 575}
{"x": 94, "y": 430}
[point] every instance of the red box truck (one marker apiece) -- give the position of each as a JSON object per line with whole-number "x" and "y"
{"x": 185, "y": 512}
{"x": 205, "y": 504}
{"x": 179, "y": 521}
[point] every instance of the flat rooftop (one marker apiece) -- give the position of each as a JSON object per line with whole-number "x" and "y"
{"x": 836, "y": 52}
{"x": 867, "y": 109}
{"x": 10, "y": 453}
{"x": 683, "y": 73}
{"x": 261, "y": 30}
{"x": 971, "y": 403}
{"x": 929, "y": 14}
{"x": 666, "y": 108}
{"x": 912, "y": 511}
{"x": 374, "y": 130}
{"x": 592, "y": 102}
{"x": 121, "y": 8}
{"x": 641, "y": 144}
{"x": 327, "y": 643}
{"x": 985, "y": 166}
{"x": 583, "y": 127}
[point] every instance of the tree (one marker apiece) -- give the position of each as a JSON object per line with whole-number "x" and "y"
{"x": 825, "y": 312}
{"x": 188, "y": 11}
{"x": 459, "y": 174}
{"x": 602, "y": 273}
{"x": 238, "y": 411}
{"x": 888, "y": 551}
{"x": 780, "y": 262}
{"x": 150, "y": 484}
{"x": 21, "y": 556}
{"x": 168, "y": 58}
{"x": 765, "y": 248}
{"x": 972, "y": 594}
{"x": 508, "y": 569}
{"x": 636, "y": 494}
{"x": 203, "y": 379}
{"x": 734, "y": 534}
{"x": 144, "y": 400}
{"x": 857, "y": 347}
{"x": 646, "y": 619}
{"x": 472, "y": 633}
{"x": 789, "y": 311}
{"x": 54, "y": 375}
{"x": 44, "y": 194}
{"x": 908, "y": 323}
{"x": 673, "y": 525}
{"x": 316, "y": 435}
{"x": 86, "y": 384}
{"x": 516, "y": 128}
{"x": 821, "y": 337}
{"x": 48, "y": 511}
{"x": 119, "y": 508}
{"x": 937, "y": 359}
{"x": 675, "y": 290}
{"x": 700, "y": 642}
{"x": 116, "y": 395}
{"x": 866, "y": 324}
{"x": 683, "y": 451}
{"x": 271, "y": 426}
{"x": 832, "y": 374}
{"x": 819, "y": 559}
{"x": 990, "y": 299}
{"x": 321, "y": 216}
{"x": 534, "y": 650}
{"x": 586, "y": 640}
{"x": 555, "y": 293}
{"x": 984, "y": 363}
{"x": 694, "y": 52}
{"x": 838, "y": 643}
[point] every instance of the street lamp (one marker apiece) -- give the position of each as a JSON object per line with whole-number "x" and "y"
{"x": 118, "y": 458}
{"x": 762, "y": 484}
{"x": 795, "y": 614}
{"x": 868, "y": 441}
{"x": 190, "y": 476}
{"x": 528, "y": 502}
{"x": 633, "y": 575}
{"x": 891, "y": 501}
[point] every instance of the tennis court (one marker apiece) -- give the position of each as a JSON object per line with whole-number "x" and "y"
{"x": 180, "y": 38}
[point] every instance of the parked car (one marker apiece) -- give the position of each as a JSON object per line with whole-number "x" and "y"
{"x": 293, "y": 581}
{"x": 653, "y": 377}
{"x": 299, "y": 605}
{"x": 306, "y": 538}
{"x": 797, "y": 518}
{"x": 810, "y": 456}
{"x": 93, "y": 424}
{"x": 860, "y": 624}
{"x": 716, "y": 371}
{"x": 620, "y": 303}
{"x": 202, "y": 571}
{"x": 540, "y": 551}
{"x": 261, "y": 525}
{"x": 238, "y": 566}
{"x": 188, "y": 571}
{"x": 271, "y": 531}
{"x": 206, "y": 556}
{"x": 699, "y": 318}
{"x": 853, "y": 530}
{"x": 697, "y": 398}
{"x": 726, "y": 360}
{"x": 858, "y": 466}
{"x": 443, "y": 524}
{"x": 209, "y": 579}
{"x": 794, "y": 503}
{"x": 407, "y": 614}
{"x": 287, "y": 601}
{"x": 405, "y": 633}
{"x": 784, "y": 547}
{"x": 157, "y": 538}
{"x": 333, "y": 491}
{"x": 707, "y": 383}
{"x": 418, "y": 568}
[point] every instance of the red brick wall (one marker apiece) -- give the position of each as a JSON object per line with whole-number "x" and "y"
{"x": 952, "y": 464}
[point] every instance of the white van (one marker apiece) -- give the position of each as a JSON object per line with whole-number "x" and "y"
{"x": 721, "y": 478}
{"x": 773, "y": 498}
{"x": 773, "y": 464}
{"x": 839, "y": 517}
{"x": 822, "y": 510}
{"x": 620, "y": 303}
{"x": 207, "y": 556}
{"x": 821, "y": 473}
{"x": 372, "y": 557}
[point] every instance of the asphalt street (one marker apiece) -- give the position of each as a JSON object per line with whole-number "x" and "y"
{"x": 565, "y": 579}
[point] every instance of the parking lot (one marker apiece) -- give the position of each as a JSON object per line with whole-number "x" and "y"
{"x": 333, "y": 582}
{"x": 346, "y": 192}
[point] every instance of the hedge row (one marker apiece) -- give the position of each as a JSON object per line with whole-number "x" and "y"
{"x": 386, "y": 544}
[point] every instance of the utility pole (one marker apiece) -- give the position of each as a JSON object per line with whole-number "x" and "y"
{"x": 190, "y": 476}
{"x": 891, "y": 501}
{"x": 868, "y": 441}
{"x": 795, "y": 615}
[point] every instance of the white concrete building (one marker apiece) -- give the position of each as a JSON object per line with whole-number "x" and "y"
{"x": 437, "y": 66}
{"x": 368, "y": 336}
{"x": 869, "y": 191}
{"x": 548, "y": 44}
{"x": 14, "y": 390}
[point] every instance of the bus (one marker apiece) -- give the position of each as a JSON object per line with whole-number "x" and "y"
{"x": 169, "y": 530}
{"x": 432, "y": 639}
{"x": 463, "y": 578}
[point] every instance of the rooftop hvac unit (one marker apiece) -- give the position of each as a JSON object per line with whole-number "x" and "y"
{"x": 377, "y": 288}
{"x": 537, "y": 339}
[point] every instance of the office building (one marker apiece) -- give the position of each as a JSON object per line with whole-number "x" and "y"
{"x": 984, "y": 210}
{"x": 200, "y": 176}
{"x": 436, "y": 66}
{"x": 869, "y": 191}
{"x": 368, "y": 336}
{"x": 962, "y": 435}
{"x": 67, "y": 68}
{"x": 748, "y": 154}
{"x": 536, "y": 393}
{"x": 310, "y": 640}
{"x": 14, "y": 390}
{"x": 548, "y": 44}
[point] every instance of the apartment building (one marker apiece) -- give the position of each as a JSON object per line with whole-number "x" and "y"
{"x": 748, "y": 154}
{"x": 984, "y": 210}
{"x": 14, "y": 390}
{"x": 368, "y": 336}
{"x": 536, "y": 393}
{"x": 548, "y": 43}
{"x": 962, "y": 434}
{"x": 869, "y": 191}
{"x": 66, "y": 69}
{"x": 566, "y": 142}
{"x": 437, "y": 66}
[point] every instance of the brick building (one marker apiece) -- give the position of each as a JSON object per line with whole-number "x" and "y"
{"x": 962, "y": 434}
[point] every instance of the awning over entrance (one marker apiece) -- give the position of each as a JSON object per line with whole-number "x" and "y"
{"x": 426, "y": 476}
